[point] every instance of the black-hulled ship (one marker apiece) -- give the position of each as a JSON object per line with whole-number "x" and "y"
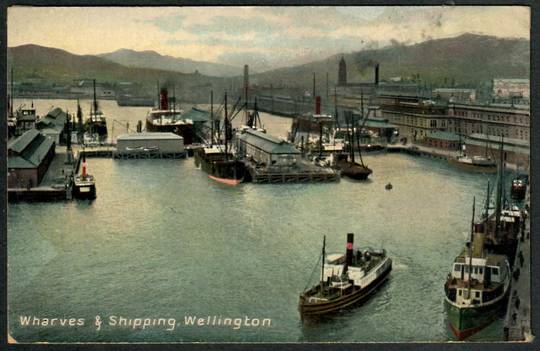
{"x": 84, "y": 185}
{"x": 96, "y": 124}
{"x": 346, "y": 279}
{"x": 349, "y": 167}
{"x": 518, "y": 189}
{"x": 166, "y": 118}
{"x": 218, "y": 160}
{"x": 477, "y": 286}
{"x": 504, "y": 223}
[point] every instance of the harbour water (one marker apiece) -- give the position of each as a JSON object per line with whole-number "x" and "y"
{"x": 163, "y": 241}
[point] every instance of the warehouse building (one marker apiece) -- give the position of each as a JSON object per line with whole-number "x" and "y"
{"x": 266, "y": 150}
{"x": 166, "y": 145}
{"x": 53, "y": 124}
{"x": 29, "y": 157}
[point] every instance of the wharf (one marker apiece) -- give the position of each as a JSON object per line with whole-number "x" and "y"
{"x": 517, "y": 324}
{"x": 301, "y": 173}
{"x": 55, "y": 185}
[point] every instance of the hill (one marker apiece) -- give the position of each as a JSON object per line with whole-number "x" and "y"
{"x": 152, "y": 59}
{"x": 43, "y": 64}
{"x": 468, "y": 60}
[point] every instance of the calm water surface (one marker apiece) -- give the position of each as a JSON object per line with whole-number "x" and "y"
{"x": 163, "y": 241}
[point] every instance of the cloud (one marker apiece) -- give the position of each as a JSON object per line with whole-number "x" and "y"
{"x": 169, "y": 24}
{"x": 277, "y": 36}
{"x": 234, "y": 25}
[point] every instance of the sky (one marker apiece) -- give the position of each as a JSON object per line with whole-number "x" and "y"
{"x": 263, "y": 37}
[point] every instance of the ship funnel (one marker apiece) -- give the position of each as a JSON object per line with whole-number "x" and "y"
{"x": 83, "y": 165}
{"x": 478, "y": 240}
{"x": 350, "y": 241}
{"x": 318, "y": 105}
{"x": 163, "y": 99}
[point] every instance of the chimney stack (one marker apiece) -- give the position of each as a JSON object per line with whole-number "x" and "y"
{"x": 163, "y": 99}
{"x": 318, "y": 105}
{"x": 350, "y": 241}
{"x": 377, "y": 74}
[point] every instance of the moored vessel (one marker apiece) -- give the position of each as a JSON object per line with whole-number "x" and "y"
{"x": 478, "y": 285}
{"x": 166, "y": 118}
{"x": 518, "y": 188}
{"x": 474, "y": 163}
{"x": 84, "y": 185}
{"x": 96, "y": 124}
{"x": 346, "y": 279}
{"x": 218, "y": 160}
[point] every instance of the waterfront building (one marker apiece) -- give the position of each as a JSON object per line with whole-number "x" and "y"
{"x": 137, "y": 143}
{"x": 442, "y": 140}
{"x": 455, "y": 94}
{"x": 26, "y": 119}
{"x": 494, "y": 121}
{"x": 267, "y": 150}
{"x": 53, "y": 124}
{"x": 511, "y": 88}
{"x": 516, "y": 151}
{"x": 85, "y": 87}
{"x": 29, "y": 157}
{"x": 415, "y": 116}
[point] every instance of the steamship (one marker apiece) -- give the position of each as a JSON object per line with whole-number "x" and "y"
{"x": 477, "y": 287}
{"x": 346, "y": 279}
{"x": 96, "y": 124}
{"x": 167, "y": 119}
{"x": 84, "y": 185}
{"x": 218, "y": 160}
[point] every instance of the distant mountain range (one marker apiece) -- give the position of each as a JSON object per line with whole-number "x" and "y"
{"x": 467, "y": 60}
{"x": 152, "y": 59}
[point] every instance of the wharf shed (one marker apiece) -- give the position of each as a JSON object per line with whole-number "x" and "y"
{"x": 149, "y": 142}
{"x": 442, "y": 140}
{"x": 53, "y": 125}
{"x": 29, "y": 157}
{"x": 267, "y": 150}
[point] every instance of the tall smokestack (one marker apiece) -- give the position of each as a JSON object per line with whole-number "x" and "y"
{"x": 350, "y": 241}
{"x": 318, "y": 105}
{"x": 377, "y": 74}
{"x": 163, "y": 99}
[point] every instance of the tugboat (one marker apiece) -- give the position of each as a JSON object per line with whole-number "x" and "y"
{"x": 168, "y": 119}
{"x": 96, "y": 124}
{"x": 346, "y": 279}
{"x": 478, "y": 286}
{"x": 218, "y": 160}
{"x": 519, "y": 187}
{"x": 84, "y": 185}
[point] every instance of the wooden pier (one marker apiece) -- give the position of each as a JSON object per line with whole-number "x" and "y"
{"x": 303, "y": 173}
{"x": 517, "y": 323}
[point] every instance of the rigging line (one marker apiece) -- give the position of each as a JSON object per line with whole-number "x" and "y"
{"x": 315, "y": 268}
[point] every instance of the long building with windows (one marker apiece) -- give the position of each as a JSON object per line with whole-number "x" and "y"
{"x": 479, "y": 127}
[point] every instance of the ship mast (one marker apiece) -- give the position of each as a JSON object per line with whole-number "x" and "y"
{"x": 323, "y": 259}
{"x": 498, "y": 199}
{"x": 211, "y": 118}
{"x": 358, "y": 133}
{"x": 95, "y": 99}
{"x": 11, "y": 97}
{"x": 226, "y": 128}
{"x": 470, "y": 249}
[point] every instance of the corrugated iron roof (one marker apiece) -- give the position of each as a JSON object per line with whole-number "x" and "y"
{"x": 22, "y": 142}
{"x": 31, "y": 149}
{"x": 268, "y": 143}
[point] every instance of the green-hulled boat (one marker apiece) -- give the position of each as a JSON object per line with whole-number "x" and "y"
{"x": 477, "y": 288}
